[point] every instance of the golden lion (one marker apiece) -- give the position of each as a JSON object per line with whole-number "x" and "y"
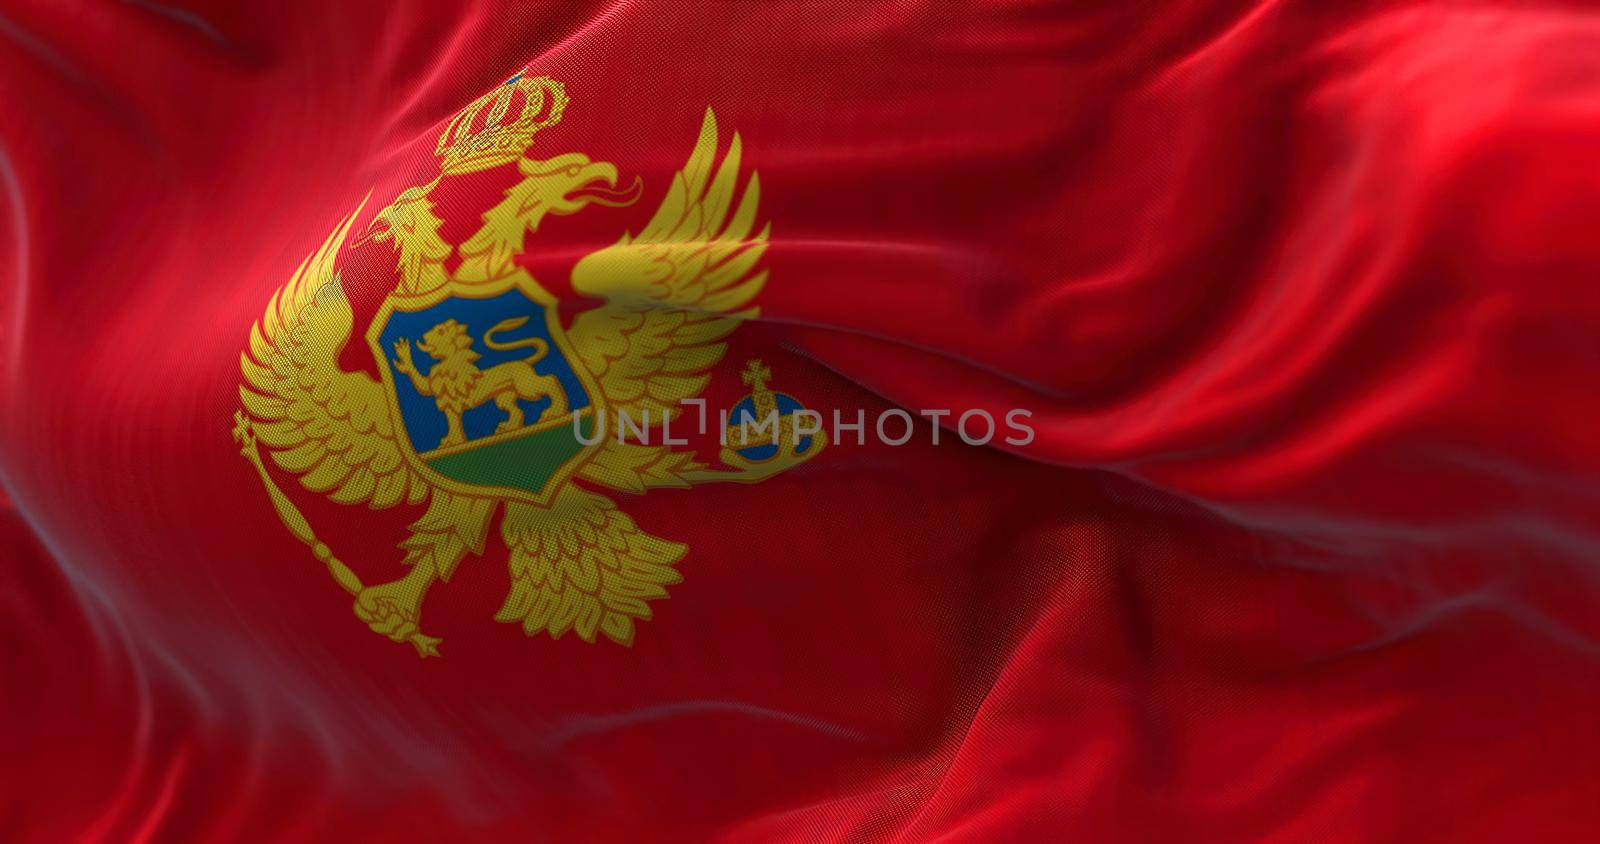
{"x": 457, "y": 385}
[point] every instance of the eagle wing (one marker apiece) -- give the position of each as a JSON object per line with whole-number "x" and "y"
{"x": 329, "y": 426}
{"x": 673, "y": 294}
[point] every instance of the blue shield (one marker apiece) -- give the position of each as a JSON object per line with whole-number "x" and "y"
{"x": 489, "y": 396}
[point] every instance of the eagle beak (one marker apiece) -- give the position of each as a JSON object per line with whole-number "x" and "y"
{"x": 378, "y": 227}
{"x": 602, "y": 188}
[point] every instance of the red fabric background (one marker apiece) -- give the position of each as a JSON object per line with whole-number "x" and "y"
{"x": 1302, "y": 296}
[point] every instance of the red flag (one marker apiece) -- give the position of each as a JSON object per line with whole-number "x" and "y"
{"x": 1085, "y": 421}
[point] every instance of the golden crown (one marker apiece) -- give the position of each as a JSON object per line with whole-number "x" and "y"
{"x": 497, "y": 127}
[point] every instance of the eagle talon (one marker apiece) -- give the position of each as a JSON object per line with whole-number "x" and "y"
{"x": 391, "y": 610}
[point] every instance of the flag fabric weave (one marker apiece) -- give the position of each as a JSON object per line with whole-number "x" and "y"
{"x": 1182, "y": 421}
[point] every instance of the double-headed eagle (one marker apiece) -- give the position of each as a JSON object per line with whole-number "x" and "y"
{"x": 672, "y": 295}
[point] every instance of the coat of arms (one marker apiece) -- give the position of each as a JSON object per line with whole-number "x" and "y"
{"x": 488, "y": 403}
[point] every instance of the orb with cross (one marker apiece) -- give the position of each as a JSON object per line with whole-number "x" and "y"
{"x": 763, "y": 421}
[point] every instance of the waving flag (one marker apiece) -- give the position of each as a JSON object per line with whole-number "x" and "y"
{"x": 800, "y": 421}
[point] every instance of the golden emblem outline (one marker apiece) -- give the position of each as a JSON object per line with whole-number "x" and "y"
{"x": 670, "y": 295}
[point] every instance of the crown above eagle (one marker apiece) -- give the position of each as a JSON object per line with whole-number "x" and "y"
{"x": 497, "y": 127}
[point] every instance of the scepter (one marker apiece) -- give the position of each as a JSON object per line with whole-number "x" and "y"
{"x": 296, "y": 522}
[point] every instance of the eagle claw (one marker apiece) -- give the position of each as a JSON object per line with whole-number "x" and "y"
{"x": 389, "y": 614}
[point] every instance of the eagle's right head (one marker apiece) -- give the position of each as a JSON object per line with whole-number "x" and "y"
{"x": 400, "y": 216}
